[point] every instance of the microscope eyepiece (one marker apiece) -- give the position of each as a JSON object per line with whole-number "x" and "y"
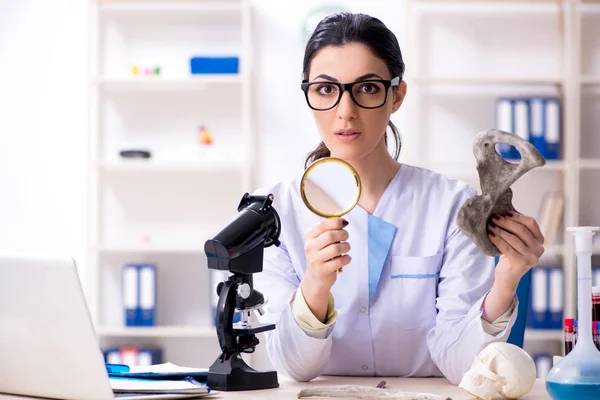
{"x": 256, "y": 226}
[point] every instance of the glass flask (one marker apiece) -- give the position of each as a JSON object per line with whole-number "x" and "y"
{"x": 577, "y": 375}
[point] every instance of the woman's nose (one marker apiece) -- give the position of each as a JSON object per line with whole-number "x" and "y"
{"x": 346, "y": 108}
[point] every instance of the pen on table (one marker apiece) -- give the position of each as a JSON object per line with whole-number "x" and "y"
{"x": 117, "y": 368}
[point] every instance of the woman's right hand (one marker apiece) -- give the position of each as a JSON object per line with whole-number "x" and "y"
{"x": 325, "y": 247}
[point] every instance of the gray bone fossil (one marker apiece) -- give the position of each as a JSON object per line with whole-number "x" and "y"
{"x": 365, "y": 392}
{"x": 496, "y": 175}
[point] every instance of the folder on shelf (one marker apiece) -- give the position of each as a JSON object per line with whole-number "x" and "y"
{"x": 147, "y": 290}
{"x": 556, "y": 298}
{"x": 550, "y": 216}
{"x": 149, "y": 356}
{"x": 130, "y": 293}
{"x": 504, "y": 122}
{"x": 596, "y": 275}
{"x": 552, "y": 128}
{"x": 543, "y": 364}
{"x": 112, "y": 356}
{"x": 537, "y": 122}
{"x": 536, "y": 119}
{"x": 521, "y": 124}
{"x": 129, "y": 355}
{"x": 538, "y": 301}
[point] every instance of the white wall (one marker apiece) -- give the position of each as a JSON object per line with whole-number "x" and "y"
{"x": 43, "y": 126}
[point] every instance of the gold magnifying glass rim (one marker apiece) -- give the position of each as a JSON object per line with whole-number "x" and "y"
{"x": 343, "y": 163}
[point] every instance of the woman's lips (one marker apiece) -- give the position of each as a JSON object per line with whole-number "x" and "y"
{"x": 347, "y": 135}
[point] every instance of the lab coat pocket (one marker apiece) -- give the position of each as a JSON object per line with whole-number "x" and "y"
{"x": 414, "y": 280}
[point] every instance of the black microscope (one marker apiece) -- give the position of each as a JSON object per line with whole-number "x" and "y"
{"x": 238, "y": 248}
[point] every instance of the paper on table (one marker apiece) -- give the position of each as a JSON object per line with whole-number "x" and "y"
{"x": 168, "y": 368}
{"x": 126, "y": 385}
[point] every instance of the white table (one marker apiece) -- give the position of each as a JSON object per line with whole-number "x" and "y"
{"x": 289, "y": 389}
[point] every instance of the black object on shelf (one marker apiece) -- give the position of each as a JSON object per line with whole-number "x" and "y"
{"x": 238, "y": 248}
{"x": 135, "y": 153}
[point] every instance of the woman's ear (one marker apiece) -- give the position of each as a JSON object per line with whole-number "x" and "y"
{"x": 399, "y": 95}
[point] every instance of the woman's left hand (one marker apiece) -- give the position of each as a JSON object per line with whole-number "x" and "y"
{"x": 519, "y": 239}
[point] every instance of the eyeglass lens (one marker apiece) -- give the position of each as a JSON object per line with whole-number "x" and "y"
{"x": 324, "y": 95}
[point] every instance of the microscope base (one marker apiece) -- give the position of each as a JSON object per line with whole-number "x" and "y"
{"x": 234, "y": 374}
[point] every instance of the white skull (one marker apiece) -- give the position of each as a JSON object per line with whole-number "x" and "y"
{"x": 500, "y": 368}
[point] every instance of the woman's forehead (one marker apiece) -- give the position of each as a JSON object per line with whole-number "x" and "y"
{"x": 346, "y": 63}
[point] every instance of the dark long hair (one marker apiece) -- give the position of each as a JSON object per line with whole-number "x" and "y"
{"x": 342, "y": 28}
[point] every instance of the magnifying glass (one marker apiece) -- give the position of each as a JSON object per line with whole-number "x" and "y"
{"x": 330, "y": 187}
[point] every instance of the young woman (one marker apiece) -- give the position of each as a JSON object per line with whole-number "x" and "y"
{"x": 416, "y": 297}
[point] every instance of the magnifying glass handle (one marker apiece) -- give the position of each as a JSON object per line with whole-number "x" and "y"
{"x": 340, "y": 270}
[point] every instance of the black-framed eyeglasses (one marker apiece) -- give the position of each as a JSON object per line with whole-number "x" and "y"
{"x": 369, "y": 93}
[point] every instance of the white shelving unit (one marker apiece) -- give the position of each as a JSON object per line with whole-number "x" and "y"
{"x": 162, "y": 210}
{"x": 453, "y": 90}
{"x": 158, "y": 332}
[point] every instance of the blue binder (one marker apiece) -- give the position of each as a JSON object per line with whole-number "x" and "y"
{"x": 546, "y": 305}
{"x": 556, "y": 298}
{"x": 150, "y": 356}
{"x": 538, "y": 301}
{"x": 112, "y": 355}
{"x": 505, "y": 122}
{"x": 147, "y": 294}
{"x": 537, "y": 113}
{"x": 521, "y": 123}
{"x": 130, "y": 294}
{"x": 552, "y": 116}
{"x": 543, "y": 364}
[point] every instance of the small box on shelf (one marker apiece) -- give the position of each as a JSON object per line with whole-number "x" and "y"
{"x": 214, "y": 65}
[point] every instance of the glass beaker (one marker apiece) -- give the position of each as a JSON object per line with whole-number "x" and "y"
{"x": 577, "y": 375}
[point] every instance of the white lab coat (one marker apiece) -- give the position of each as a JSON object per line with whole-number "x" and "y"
{"x": 424, "y": 318}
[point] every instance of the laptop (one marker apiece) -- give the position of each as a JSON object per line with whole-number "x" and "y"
{"x": 48, "y": 345}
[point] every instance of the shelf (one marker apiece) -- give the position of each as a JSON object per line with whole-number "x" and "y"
{"x": 163, "y": 84}
{"x": 153, "y": 249}
{"x": 467, "y": 170}
{"x": 158, "y": 331}
{"x": 589, "y": 7}
{"x": 543, "y": 334}
{"x": 551, "y": 165}
{"x": 589, "y": 80}
{"x": 481, "y": 80}
{"x": 129, "y": 6}
{"x": 589, "y": 163}
{"x": 141, "y": 166}
{"x": 477, "y": 6}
